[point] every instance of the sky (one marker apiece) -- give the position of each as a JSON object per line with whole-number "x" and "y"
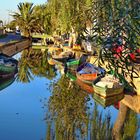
{"x": 7, "y": 6}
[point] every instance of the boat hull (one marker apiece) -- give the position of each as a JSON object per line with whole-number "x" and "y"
{"x": 7, "y": 75}
{"x": 8, "y": 64}
{"x": 86, "y": 87}
{"x": 109, "y": 100}
{"x": 5, "y": 83}
{"x": 107, "y": 91}
{"x": 86, "y": 72}
{"x": 72, "y": 64}
{"x": 7, "y": 69}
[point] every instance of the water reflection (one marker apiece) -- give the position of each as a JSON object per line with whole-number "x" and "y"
{"x": 8, "y": 70}
{"x": 72, "y": 116}
{"x": 6, "y": 82}
{"x": 72, "y": 113}
{"x": 127, "y": 124}
{"x": 68, "y": 108}
{"x": 34, "y": 63}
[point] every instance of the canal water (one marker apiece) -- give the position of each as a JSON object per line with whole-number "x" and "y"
{"x": 44, "y": 104}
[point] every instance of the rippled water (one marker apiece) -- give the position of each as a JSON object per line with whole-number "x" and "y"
{"x": 50, "y": 106}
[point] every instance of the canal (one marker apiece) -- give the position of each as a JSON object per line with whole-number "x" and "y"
{"x": 42, "y": 103}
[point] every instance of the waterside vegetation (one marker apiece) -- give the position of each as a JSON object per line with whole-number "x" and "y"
{"x": 112, "y": 26}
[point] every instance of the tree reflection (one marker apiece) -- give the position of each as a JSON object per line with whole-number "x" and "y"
{"x": 131, "y": 126}
{"x": 70, "y": 114}
{"x": 100, "y": 125}
{"x": 68, "y": 107}
{"x": 73, "y": 117}
{"x": 34, "y": 63}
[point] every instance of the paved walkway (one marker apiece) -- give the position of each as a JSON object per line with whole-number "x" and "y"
{"x": 9, "y": 38}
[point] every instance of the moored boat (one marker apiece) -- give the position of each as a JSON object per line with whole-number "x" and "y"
{"x": 88, "y": 72}
{"x": 63, "y": 57}
{"x": 73, "y": 64}
{"x": 6, "y": 82}
{"x": 109, "y": 100}
{"x": 39, "y": 41}
{"x": 71, "y": 75}
{"x": 86, "y": 87}
{"x": 2, "y": 55}
{"x": 108, "y": 86}
{"x": 6, "y": 75}
{"x": 7, "y": 64}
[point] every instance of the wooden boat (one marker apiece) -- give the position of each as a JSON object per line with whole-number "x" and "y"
{"x": 88, "y": 72}
{"x": 5, "y": 83}
{"x": 2, "y": 55}
{"x": 63, "y": 57}
{"x": 6, "y": 75}
{"x": 7, "y": 64}
{"x": 107, "y": 86}
{"x": 39, "y": 41}
{"x": 86, "y": 87}
{"x": 40, "y": 47}
{"x": 109, "y": 100}
{"x": 73, "y": 64}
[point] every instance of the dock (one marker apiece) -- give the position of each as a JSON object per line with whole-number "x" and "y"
{"x": 13, "y": 48}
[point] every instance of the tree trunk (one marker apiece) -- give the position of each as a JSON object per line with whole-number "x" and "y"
{"x": 119, "y": 122}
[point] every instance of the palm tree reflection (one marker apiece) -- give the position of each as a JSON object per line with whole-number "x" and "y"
{"x": 34, "y": 63}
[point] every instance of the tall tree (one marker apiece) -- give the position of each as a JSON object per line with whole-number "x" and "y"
{"x": 43, "y": 18}
{"x": 25, "y": 19}
{"x": 116, "y": 33}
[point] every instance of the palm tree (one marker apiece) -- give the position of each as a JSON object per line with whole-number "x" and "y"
{"x": 43, "y": 18}
{"x": 24, "y": 18}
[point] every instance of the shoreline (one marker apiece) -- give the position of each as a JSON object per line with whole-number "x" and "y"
{"x": 14, "y": 47}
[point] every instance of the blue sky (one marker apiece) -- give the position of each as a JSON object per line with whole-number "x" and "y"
{"x": 6, "y": 6}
